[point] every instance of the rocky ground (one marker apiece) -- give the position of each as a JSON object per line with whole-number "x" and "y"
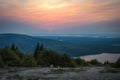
{"x": 83, "y": 73}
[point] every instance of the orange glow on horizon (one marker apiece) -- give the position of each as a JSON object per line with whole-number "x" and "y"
{"x": 51, "y": 13}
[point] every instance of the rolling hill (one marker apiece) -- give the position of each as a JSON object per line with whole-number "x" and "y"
{"x": 73, "y": 46}
{"x": 27, "y": 43}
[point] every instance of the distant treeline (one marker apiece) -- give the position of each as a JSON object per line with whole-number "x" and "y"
{"x": 13, "y": 57}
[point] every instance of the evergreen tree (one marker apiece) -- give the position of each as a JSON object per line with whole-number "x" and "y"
{"x": 95, "y": 62}
{"x": 13, "y": 46}
{"x": 41, "y": 47}
{"x": 106, "y": 63}
{"x": 36, "y": 51}
{"x": 117, "y": 64}
{"x": 42, "y": 58}
{"x": 17, "y": 51}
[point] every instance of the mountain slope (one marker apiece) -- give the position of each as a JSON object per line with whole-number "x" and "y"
{"x": 28, "y": 43}
{"x": 73, "y": 46}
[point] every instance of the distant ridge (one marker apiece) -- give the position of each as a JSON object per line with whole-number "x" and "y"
{"x": 86, "y": 35}
{"x": 73, "y": 46}
{"x": 27, "y": 43}
{"x": 9, "y": 38}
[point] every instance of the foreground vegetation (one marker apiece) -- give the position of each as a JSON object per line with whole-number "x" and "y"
{"x": 13, "y": 57}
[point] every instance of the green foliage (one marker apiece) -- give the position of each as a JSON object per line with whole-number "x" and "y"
{"x": 47, "y": 58}
{"x": 19, "y": 53}
{"x": 41, "y": 57}
{"x": 16, "y": 50}
{"x": 67, "y": 61}
{"x": 81, "y": 62}
{"x": 9, "y": 57}
{"x": 29, "y": 61}
{"x": 37, "y": 51}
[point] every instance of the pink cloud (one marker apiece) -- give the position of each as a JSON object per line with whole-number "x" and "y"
{"x": 52, "y": 13}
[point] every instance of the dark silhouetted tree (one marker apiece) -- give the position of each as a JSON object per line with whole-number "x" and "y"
{"x": 41, "y": 47}
{"x": 36, "y": 51}
{"x": 1, "y": 62}
{"x": 13, "y": 46}
{"x": 117, "y": 64}
{"x": 95, "y": 62}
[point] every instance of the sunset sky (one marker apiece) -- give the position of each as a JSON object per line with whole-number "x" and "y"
{"x": 36, "y": 17}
